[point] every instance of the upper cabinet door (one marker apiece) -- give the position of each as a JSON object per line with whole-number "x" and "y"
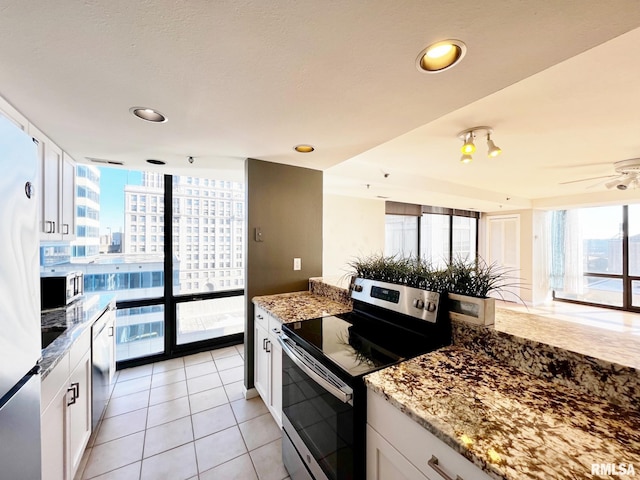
{"x": 68, "y": 220}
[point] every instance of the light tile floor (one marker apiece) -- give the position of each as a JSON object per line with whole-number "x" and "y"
{"x": 185, "y": 419}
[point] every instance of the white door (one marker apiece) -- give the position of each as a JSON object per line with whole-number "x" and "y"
{"x": 503, "y": 249}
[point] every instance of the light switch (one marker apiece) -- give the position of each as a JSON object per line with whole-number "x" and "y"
{"x": 297, "y": 264}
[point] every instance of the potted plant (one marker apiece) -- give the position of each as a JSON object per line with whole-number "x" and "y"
{"x": 468, "y": 283}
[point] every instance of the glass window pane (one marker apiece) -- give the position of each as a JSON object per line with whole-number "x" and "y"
{"x": 434, "y": 239}
{"x": 605, "y": 291}
{"x": 634, "y": 241}
{"x": 601, "y": 231}
{"x": 139, "y": 332}
{"x": 206, "y": 319}
{"x": 191, "y": 243}
{"x": 635, "y": 293}
{"x": 401, "y": 235}
{"x": 112, "y": 247}
{"x": 464, "y": 237}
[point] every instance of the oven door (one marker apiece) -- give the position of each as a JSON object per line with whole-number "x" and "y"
{"x": 317, "y": 416}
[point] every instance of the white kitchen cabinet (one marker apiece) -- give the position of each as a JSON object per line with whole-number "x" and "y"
{"x": 66, "y": 414}
{"x": 56, "y": 189}
{"x": 268, "y": 362}
{"x": 261, "y": 371}
{"x": 68, "y": 206}
{"x": 400, "y": 448}
{"x": 384, "y": 462}
{"x": 53, "y": 422}
{"x": 79, "y": 412}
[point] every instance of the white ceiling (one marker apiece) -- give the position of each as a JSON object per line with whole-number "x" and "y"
{"x": 559, "y": 82}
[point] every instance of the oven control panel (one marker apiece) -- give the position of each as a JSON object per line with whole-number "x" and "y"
{"x": 398, "y": 298}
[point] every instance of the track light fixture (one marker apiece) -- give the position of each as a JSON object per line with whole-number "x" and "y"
{"x": 468, "y": 147}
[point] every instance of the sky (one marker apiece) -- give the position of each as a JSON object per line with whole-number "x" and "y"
{"x": 112, "y": 182}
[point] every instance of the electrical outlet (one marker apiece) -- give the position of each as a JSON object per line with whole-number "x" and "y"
{"x": 297, "y": 264}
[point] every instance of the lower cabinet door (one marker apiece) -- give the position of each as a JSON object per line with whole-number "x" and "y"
{"x": 384, "y": 462}
{"x": 79, "y": 412}
{"x": 54, "y": 439}
{"x": 276, "y": 379}
{"x": 262, "y": 364}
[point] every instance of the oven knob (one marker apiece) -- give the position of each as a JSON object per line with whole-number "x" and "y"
{"x": 357, "y": 288}
{"x": 418, "y": 303}
{"x": 431, "y": 307}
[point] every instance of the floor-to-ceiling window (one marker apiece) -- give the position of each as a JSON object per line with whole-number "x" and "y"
{"x": 436, "y": 234}
{"x": 170, "y": 248}
{"x": 595, "y": 257}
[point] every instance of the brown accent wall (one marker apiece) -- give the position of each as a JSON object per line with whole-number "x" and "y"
{"x": 285, "y": 202}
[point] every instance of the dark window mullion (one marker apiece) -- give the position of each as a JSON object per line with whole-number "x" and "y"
{"x": 169, "y": 305}
{"x": 626, "y": 283}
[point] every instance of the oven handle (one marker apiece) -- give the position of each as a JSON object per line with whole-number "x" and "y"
{"x": 333, "y": 390}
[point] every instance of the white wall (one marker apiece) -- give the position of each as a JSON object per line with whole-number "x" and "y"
{"x": 352, "y": 227}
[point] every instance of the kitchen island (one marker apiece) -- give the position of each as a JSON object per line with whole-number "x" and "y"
{"x": 510, "y": 424}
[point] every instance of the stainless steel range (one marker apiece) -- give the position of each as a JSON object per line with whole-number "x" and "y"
{"x": 324, "y": 361}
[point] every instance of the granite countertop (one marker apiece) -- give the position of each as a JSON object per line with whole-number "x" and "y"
{"x": 573, "y": 336}
{"x": 76, "y": 317}
{"x": 296, "y": 306}
{"x": 510, "y": 424}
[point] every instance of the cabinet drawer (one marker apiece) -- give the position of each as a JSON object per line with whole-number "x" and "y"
{"x": 416, "y": 443}
{"x": 274, "y": 325}
{"x": 79, "y": 348}
{"x": 56, "y": 379}
{"x": 261, "y": 317}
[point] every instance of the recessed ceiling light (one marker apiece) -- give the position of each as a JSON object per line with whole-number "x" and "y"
{"x": 148, "y": 114}
{"x": 153, "y": 161}
{"x": 441, "y": 56}
{"x": 304, "y": 148}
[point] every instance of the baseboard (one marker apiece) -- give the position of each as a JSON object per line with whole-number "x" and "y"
{"x": 250, "y": 393}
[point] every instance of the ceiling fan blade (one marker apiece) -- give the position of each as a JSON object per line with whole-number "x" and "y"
{"x": 587, "y": 179}
{"x": 577, "y": 165}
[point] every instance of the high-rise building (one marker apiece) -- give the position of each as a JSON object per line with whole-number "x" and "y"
{"x": 207, "y": 229}
{"x": 87, "y": 242}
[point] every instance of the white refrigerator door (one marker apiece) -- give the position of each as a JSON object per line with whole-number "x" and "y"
{"x": 20, "y": 344}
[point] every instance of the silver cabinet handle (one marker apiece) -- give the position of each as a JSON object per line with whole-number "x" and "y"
{"x": 65, "y": 229}
{"x": 268, "y": 345}
{"x": 435, "y": 464}
{"x": 50, "y": 226}
{"x": 74, "y": 389}
{"x": 260, "y": 317}
{"x": 110, "y": 331}
{"x": 264, "y": 343}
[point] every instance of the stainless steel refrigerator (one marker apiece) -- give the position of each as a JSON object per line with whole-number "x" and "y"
{"x": 20, "y": 343}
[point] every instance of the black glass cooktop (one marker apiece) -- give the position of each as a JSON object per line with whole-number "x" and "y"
{"x": 358, "y": 345}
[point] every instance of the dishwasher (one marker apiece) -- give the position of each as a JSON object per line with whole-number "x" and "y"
{"x": 103, "y": 362}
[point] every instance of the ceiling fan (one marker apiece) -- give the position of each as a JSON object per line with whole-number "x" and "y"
{"x": 627, "y": 176}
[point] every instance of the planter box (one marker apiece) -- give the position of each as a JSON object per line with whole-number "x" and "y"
{"x": 479, "y": 311}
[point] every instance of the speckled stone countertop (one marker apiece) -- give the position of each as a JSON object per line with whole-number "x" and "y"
{"x": 76, "y": 317}
{"x": 296, "y": 306}
{"x": 510, "y": 424}
{"x": 621, "y": 347}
